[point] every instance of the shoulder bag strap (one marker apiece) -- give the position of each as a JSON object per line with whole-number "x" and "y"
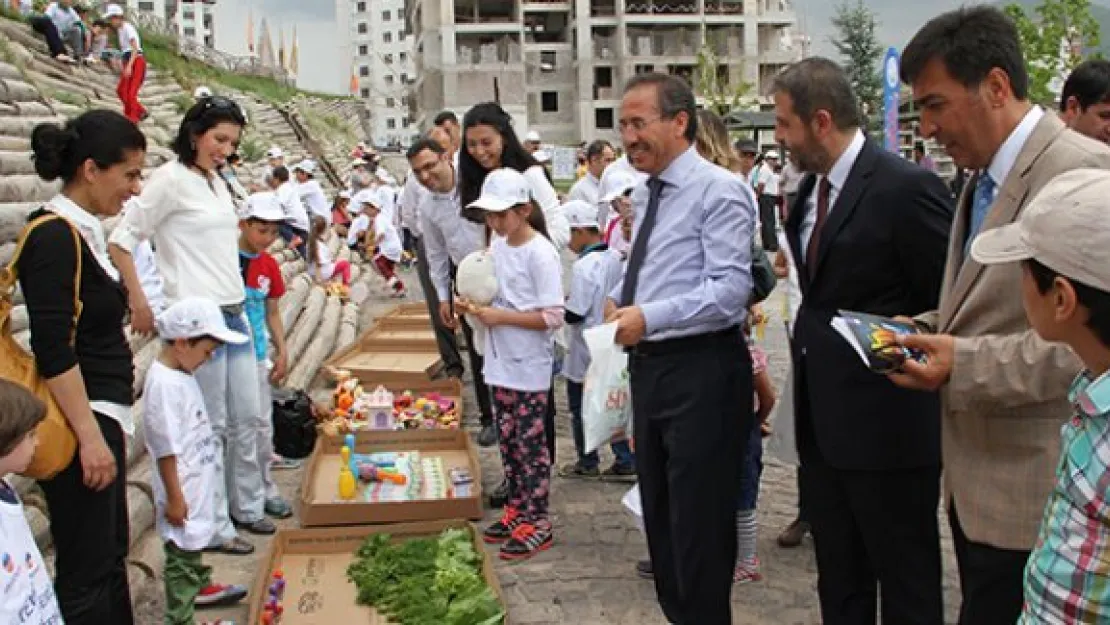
{"x": 10, "y": 275}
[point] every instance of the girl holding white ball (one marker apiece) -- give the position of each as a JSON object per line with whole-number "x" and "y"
{"x": 519, "y": 354}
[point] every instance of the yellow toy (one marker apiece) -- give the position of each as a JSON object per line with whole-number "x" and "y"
{"x": 347, "y": 482}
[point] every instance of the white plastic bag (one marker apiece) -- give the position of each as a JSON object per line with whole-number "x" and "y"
{"x": 606, "y": 399}
{"x": 634, "y": 505}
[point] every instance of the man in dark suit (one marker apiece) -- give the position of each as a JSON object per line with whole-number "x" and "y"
{"x": 870, "y": 233}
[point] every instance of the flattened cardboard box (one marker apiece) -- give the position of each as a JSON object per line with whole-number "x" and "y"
{"x": 401, "y": 364}
{"x": 385, "y": 336}
{"x": 314, "y": 563}
{"x": 319, "y": 504}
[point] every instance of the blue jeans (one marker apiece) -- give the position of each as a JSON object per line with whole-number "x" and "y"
{"x": 751, "y": 468}
{"x": 229, "y": 383}
{"x": 620, "y": 449}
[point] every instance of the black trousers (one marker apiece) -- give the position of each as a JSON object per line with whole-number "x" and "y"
{"x": 692, "y": 401}
{"x": 991, "y": 579}
{"x": 45, "y": 27}
{"x": 481, "y": 391}
{"x": 768, "y": 206}
{"x": 446, "y": 339}
{"x": 288, "y": 233}
{"x": 91, "y": 539}
{"x": 874, "y": 532}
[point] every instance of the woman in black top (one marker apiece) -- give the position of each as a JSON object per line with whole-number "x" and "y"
{"x": 99, "y": 158}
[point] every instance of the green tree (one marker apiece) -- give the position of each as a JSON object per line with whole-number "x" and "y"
{"x": 1055, "y": 36}
{"x": 861, "y": 54}
{"x": 719, "y": 93}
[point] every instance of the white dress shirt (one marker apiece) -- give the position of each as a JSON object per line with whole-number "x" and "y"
{"x": 1007, "y": 154}
{"x": 313, "y": 198}
{"x": 448, "y": 238}
{"x": 587, "y": 189}
{"x": 291, "y": 205}
{"x": 837, "y": 176}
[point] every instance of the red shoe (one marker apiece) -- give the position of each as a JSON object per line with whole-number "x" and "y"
{"x": 527, "y": 541}
{"x": 501, "y": 530}
{"x": 220, "y": 595}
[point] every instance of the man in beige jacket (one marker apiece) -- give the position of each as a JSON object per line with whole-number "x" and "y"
{"x": 1003, "y": 389}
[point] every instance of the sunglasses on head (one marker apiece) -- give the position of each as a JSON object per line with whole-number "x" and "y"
{"x": 223, "y": 103}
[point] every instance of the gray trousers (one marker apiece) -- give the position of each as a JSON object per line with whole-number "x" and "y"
{"x": 75, "y": 39}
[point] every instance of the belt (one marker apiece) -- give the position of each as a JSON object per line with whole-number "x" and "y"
{"x": 683, "y": 344}
{"x": 232, "y": 310}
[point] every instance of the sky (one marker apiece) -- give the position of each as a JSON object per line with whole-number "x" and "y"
{"x": 320, "y": 66}
{"x": 898, "y": 20}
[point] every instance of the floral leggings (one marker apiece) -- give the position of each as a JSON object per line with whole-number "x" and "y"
{"x": 519, "y": 416}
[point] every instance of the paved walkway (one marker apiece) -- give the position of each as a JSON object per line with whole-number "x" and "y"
{"x": 588, "y": 577}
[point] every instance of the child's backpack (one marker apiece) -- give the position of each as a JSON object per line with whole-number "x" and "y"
{"x": 294, "y": 424}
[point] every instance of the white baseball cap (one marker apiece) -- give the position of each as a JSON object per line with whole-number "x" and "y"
{"x": 542, "y": 156}
{"x": 1063, "y": 228}
{"x": 503, "y": 189}
{"x": 264, "y": 206}
{"x": 113, "y": 10}
{"x": 358, "y": 162}
{"x": 308, "y": 166}
{"x": 366, "y": 196}
{"x": 202, "y": 92}
{"x": 617, "y": 184}
{"x": 772, "y": 155}
{"x": 580, "y": 214}
{"x": 346, "y": 195}
{"x": 532, "y": 136}
{"x": 275, "y": 152}
{"x": 196, "y": 317}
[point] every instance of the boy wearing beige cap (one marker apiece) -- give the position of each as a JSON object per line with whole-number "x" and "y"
{"x": 1063, "y": 242}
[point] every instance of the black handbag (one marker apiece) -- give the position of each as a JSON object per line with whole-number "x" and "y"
{"x": 294, "y": 424}
{"x": 763, "y": 274}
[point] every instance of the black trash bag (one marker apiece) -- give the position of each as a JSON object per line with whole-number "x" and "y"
{"x": 294, "y": 424}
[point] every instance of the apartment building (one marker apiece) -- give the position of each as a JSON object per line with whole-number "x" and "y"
{"x": 193, "y": 19}
{"x": 381, "y": 51}
{"x": 557, "y": 66}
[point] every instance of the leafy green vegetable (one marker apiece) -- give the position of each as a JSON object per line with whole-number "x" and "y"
{"x": 425, "y": 581}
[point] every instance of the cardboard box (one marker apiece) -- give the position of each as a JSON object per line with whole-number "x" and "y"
{"x": 401, "y": 364}
{"x": 314, "y": 563}
{"x": 320, "y": 505}
{"x": 384, "y": 337}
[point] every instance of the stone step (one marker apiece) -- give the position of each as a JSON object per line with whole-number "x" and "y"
{"x": 12, "y": 163}
{"x": 28, "y": 109}
{"x": 26, "y": 188}
{"x": 15, "y": 144}
{"x": 7, "y": 70}
{"x": 18, "y": 90}
{"x": 22, "y": 126}
{"x": 13, "y": 216}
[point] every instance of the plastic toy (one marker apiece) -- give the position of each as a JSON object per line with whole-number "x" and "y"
{"x": 273, "y": 609}
{"x": 380, "y": 405}
{"x": 347, "y": 482}
{"x": 370, "y": 472}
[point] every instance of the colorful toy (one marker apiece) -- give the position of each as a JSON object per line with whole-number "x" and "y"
{"x": 273, "y": 609}
{"x": 347, "y": 483}
{"x": 370, "y": 472}
{"x": 380, "y": 405}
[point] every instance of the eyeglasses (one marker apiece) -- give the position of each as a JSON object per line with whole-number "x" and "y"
{"x": 637, "y": 123}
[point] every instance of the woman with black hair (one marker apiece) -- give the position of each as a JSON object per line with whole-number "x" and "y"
{"x": 491, "y": 144}
{"x": 76, "y": 308}
{"x": 186, "y": 210}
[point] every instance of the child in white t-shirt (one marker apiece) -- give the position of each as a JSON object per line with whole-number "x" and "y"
{"x": 596, "y": 272}
{"x": 387, "y": 248}
{"x": 322, "y": 265}
{"x": 519, "y": 354}
{"x": 179, "y": 438}
{"x": 360, "y": 225}
{"x": 27, "y": 593}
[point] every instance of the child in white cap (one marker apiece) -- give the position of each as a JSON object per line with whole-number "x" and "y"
{"x": 519, "y": 355}
{"x": 179, "y": 438}
{"x": 596, "y": 272}
{"x": 1062, "y": 242}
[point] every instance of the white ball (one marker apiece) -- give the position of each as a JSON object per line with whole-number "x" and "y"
{"x": 476, "y": 280}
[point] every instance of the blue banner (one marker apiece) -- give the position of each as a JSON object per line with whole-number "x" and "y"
{"x": 891, "y": 85}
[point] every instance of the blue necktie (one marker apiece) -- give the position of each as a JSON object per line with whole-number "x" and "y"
{"x": 980, "y": 206}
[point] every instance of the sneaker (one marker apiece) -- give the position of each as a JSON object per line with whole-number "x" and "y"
{"x": 501, "y": 530}
{"x": 261, "y": 527}
{"x": 619, "y": 473}
{"x": 488, "y": 436}
{"x": 644, "y": 570}
{"x": 527, "y": 540}
{"x": 220, "y": 595}
{"x": 285, "y": 464}
{"x": 747, "y": 571}
{"x": 576, "y": 470}
{"x": 278, "y": 508}
{"x": 500, "y": 495}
